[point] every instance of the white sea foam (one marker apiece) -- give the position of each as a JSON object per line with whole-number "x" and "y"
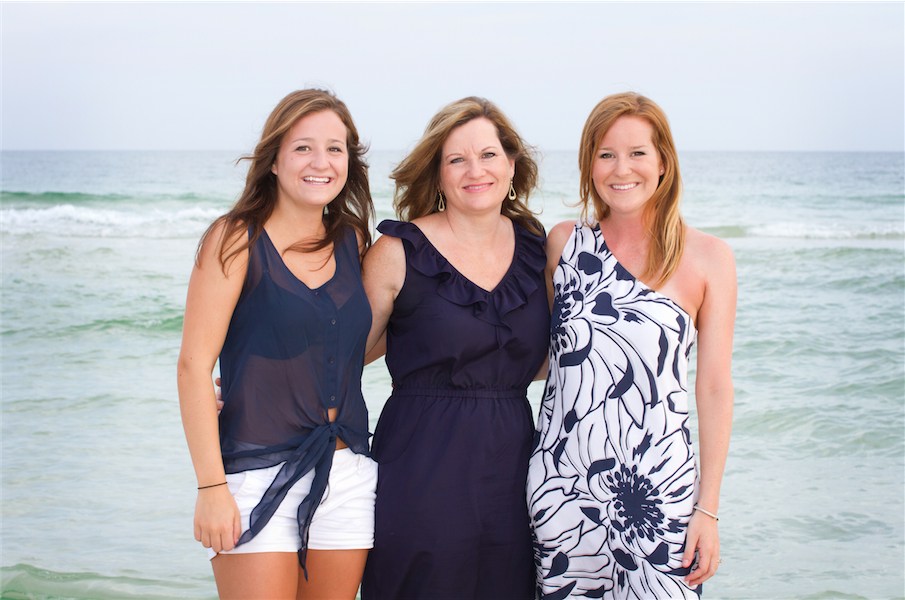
{"x": 820, "y": 231}
{"x": 78, "y": 221}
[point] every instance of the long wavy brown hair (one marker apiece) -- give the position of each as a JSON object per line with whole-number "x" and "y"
{"x": 664, "y": 221}
{"x": 352, "y": 207}
{"x": 418, "y": 175}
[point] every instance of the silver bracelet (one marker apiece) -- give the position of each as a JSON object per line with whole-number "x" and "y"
{"x": 706, "y": 512}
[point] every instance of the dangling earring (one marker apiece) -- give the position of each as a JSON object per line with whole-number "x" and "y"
{"x": 512, "y": 194}
{"x": 441, "y": 201}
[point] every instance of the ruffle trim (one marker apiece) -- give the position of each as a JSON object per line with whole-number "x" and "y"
{"x": 524, "y": 277}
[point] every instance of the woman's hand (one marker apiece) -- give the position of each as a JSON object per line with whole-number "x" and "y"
{"x": 702, "y": 538}
{"x": 217, "y": 521}
{"x": 219, "y": 395}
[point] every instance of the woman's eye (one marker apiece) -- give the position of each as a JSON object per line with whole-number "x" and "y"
{"x": 606, "y": 155}
{"x": 301, "y": 148}
{"x": 488, "y": 155}
{"x": 455, "y": 160}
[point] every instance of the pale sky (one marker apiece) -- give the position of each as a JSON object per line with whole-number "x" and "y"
{"x": 204, "y": 76}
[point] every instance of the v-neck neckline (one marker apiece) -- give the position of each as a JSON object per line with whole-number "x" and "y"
{"x": 506, "y": 275}
{"x": 293, "y": 275}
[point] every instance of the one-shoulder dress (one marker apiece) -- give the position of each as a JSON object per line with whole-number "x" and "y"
{"x": 612, "y": 480}
{"x": 453, "y": 440}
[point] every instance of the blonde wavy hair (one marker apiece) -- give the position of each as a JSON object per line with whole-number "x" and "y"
{"x": 417, "y": 177}
{"x": 664, "y": 221}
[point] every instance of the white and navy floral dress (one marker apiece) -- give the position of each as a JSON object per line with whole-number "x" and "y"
{"x": 612, "y": 480}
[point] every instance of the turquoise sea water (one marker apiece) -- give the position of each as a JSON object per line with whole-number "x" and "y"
{"x": 97, "y": 487}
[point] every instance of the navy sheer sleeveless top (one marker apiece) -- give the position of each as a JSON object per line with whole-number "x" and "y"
{"x": 290, "y": 354}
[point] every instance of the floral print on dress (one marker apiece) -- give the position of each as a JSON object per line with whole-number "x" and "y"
{"x": 612, "y": 479}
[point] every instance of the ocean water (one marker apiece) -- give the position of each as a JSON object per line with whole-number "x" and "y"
{"x": 97, "y": 486}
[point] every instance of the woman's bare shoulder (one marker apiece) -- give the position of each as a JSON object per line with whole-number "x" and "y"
{"x": 557, "y": 237}
{"x": 221, "y": 240}
{"x": 706, "y": 246}
{"x": 710, "y": 255}
{"x": 385, "y": 254}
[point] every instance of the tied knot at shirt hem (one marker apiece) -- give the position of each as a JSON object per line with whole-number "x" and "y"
{"x": 314, "y": 451}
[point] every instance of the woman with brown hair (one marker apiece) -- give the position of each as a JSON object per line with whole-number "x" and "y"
{"x": 617, "y": 505}
{"x": 457, "y": 293}
{"x": 276, "y": 294}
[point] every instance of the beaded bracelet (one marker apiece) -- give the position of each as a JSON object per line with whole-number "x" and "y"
{"x": 706, "y": 512}
{"x": 204, "y": 487}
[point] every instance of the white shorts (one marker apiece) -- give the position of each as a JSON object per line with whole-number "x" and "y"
{"x": 344, "y": 519}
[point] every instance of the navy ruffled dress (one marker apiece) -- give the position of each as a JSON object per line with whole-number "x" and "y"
{"x": 454, "y": 438}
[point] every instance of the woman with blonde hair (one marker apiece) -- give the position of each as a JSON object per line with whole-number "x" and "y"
{"x": 457, "y": 293}
{"x": 618, "y": 506}
{"x": 276, "y": 294}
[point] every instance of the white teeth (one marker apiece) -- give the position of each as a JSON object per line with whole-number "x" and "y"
{"x": 317, "y": 179}
{"x": 626, "y": 186}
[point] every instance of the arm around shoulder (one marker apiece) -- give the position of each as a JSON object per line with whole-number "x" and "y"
{"x": 556, "y": 241}
{"x": 383, "y": 274}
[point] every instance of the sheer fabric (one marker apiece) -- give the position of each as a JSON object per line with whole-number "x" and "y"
{"x": 290, "y": 354}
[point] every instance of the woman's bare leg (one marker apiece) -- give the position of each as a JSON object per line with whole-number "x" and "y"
{"x": 332, "y": 574}
{"x": 260, "y": 575}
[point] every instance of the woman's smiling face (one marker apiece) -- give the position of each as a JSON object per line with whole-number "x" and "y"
{"x": 627, "y": 166}
{"x": 474, "y": 169}
{"x": 312, "y": 165}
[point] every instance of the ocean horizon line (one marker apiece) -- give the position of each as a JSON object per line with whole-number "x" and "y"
{"x": 400, "y": 150}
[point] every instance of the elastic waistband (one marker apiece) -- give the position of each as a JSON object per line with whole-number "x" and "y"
{"x": 459, "y": 393}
